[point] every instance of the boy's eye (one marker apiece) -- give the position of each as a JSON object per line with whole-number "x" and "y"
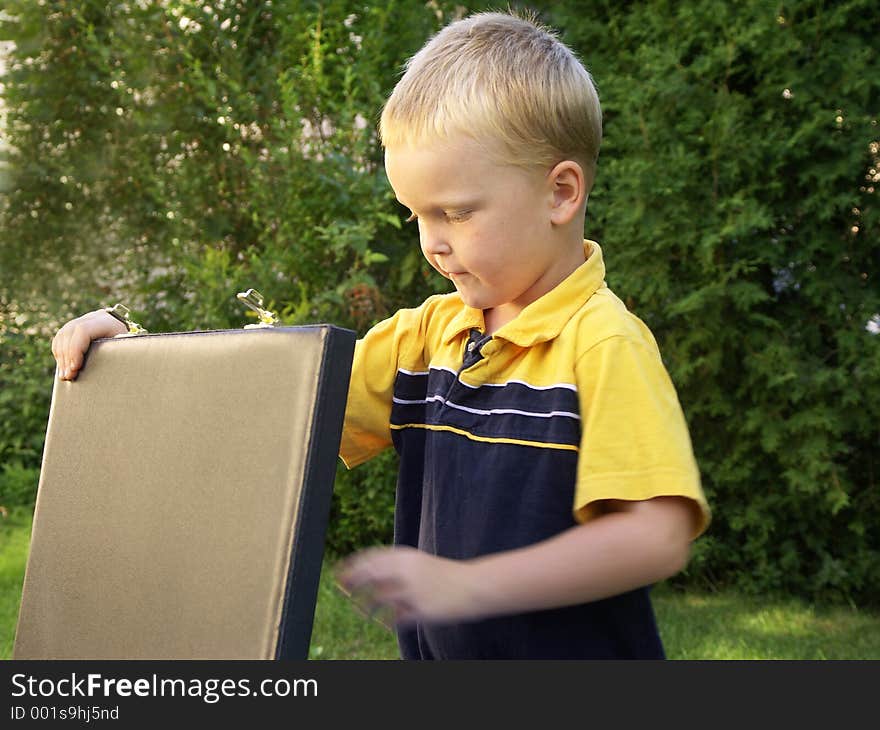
{"x": 459, "y": 216}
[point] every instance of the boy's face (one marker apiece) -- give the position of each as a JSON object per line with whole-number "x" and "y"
{"x": 486, "y": 226}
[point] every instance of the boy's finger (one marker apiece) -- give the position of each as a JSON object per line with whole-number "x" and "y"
{"x": 66, "y": 360}
{"x": 74, "y": 362}
{"x": 64, "y": 349}
{"x": 62, "y": 361}
{"x": 366, "y": 575}
{"x": 57, "y": 353}
{"x": 76, "y": 346}
{"x": 365, "y": 603}
{"x": 348, "y": 571}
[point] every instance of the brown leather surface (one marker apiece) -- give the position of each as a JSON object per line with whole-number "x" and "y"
{"x": 168, "y": 497}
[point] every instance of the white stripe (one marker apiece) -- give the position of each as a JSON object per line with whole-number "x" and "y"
{"x": 482, "y": 412}
{"x": 567, "y": 386}
{"x": 448, "y": 370}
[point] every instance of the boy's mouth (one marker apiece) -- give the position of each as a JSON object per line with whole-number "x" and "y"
{"x": 448, "y": 274}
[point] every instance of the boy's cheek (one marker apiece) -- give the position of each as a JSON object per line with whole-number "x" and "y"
{"x": 436, "y": 267}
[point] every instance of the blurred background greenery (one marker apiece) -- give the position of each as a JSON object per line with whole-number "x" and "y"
{"x": 170, "y": 154}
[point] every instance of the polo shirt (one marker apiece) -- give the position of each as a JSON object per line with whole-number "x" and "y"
{"x": 509, "y": 439}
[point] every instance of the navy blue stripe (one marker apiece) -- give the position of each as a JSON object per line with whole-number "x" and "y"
{"x": 482, "y": 505}
{"x": 486, "y": 397}
{"x": 410, "y": 387}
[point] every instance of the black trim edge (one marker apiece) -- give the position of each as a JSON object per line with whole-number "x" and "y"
{"x": 307, "y": 553}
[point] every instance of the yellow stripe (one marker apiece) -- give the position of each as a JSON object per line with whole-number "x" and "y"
{"x": 467, "y": 434}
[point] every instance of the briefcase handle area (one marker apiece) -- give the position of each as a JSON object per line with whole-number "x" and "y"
{"x": 254, "y": 300}
{"x": 251, "y": 298}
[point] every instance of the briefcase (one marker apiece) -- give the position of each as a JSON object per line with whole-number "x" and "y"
{"x": 184, "y": 496}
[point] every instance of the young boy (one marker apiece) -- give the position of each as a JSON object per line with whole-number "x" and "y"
{"x": 546, "y": 472}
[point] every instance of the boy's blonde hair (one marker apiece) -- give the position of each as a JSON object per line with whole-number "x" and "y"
{"x": 499, "y": 78}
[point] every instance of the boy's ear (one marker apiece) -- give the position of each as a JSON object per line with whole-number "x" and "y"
{"x": 569, "y": 190}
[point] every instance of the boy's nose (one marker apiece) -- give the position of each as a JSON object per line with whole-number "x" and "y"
{"x": 433, "y": 243}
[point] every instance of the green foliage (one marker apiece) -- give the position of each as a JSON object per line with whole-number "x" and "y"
{"x": 18, "y": 485}
{"x": 363, "y": 507}
{"x": 26, "y": 372}
{"x": 736, "y": 200}
{"x": 177, "y": 153}
{"x": 185, "y": 145}
{"x": 172, "y": 154}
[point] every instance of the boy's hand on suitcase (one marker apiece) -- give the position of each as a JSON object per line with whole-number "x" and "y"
{"x": 412, "y": 585}
{"x": 72, "y": 341}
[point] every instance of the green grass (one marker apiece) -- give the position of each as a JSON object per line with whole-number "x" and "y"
{"x": 727, "y": 625}
{"x": 722, "y": 625}
{"x": 15, "y": 533}
{"x": 340, "y": 631}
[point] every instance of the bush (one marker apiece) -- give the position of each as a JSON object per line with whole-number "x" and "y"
{"x": 178, "y": 153}
{"x": 172, "y": 154}
{"x": 26, "y": 374}
{"x": 362, "y": 513}
{"x": 18, "y": 485}
{"x": 736, "y": 200}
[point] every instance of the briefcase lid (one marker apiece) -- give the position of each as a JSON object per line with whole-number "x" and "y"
{"x": 183, "y": 496}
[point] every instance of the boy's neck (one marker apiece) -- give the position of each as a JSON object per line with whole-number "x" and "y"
{"x": 495, "y": 318}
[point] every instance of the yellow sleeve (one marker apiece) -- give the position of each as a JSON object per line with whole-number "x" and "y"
{"x": 377, "y": 356}
{"x": 634, "y": 438}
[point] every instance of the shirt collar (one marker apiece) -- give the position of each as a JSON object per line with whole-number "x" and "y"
{"x": 544, "y": 318}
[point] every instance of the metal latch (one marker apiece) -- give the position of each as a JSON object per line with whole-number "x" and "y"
{"x": 254, "y": 300}
{"x": 123, "y": 314}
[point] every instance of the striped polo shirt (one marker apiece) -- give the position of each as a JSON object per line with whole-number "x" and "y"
{"x": 509, "y": 439}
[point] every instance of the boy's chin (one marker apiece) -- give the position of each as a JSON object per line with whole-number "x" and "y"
{"x": 477, "y": 297}
{"x": 477, "y": 302}
{"x": 470, "y": 299}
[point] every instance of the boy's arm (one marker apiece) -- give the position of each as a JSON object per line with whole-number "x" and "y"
{"x": 72, "y": 341}
{"x": 632, "y": 545}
